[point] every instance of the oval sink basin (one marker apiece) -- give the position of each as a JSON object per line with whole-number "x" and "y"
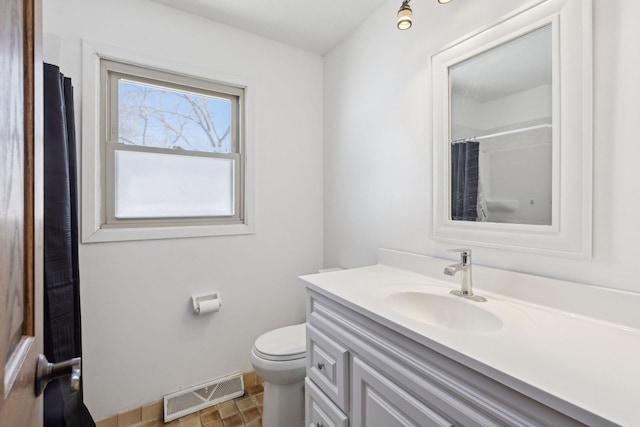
{"x": 446, "y": 311}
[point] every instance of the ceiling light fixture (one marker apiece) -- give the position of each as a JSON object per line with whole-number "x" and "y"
{"x": 405, "y": 14}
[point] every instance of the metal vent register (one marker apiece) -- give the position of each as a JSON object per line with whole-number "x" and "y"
{"x": 202, "y": 396}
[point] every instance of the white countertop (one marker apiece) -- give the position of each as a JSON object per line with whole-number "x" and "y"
{"x": 568, "y": 360}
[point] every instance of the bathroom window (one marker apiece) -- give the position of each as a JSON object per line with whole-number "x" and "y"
{"x": 172, "y": 152}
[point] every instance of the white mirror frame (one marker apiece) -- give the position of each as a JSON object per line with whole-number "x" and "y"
{"x": 570, "y": 233}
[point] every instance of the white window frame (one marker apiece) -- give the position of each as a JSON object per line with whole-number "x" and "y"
{"x": 99, "y": 224}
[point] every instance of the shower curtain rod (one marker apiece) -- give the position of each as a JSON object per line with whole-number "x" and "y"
{"x": 507, "y": 132}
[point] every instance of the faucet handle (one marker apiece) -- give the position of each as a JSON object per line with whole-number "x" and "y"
{"x": 465, "y": 255}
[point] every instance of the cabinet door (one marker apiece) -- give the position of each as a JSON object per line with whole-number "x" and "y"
{"x": 378, "y": 402}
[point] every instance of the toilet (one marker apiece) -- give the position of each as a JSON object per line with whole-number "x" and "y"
{"x": 278, "y": 356}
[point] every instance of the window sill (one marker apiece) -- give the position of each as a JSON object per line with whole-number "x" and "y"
{"x": 152, "y": 233}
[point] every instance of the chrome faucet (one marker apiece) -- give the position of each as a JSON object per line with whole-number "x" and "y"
{"x": 466, "y": 290}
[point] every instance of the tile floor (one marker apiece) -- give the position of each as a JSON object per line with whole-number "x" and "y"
{"x": 244, "y": 411}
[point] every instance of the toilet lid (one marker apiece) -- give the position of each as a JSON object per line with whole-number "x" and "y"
{"x": 286, "y": 343}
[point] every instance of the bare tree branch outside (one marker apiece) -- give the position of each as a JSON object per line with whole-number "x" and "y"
{"x": 165, "y": 118}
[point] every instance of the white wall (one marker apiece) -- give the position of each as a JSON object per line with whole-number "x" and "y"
{"x": 377, "y": 146}
{"x": 140, "y": 338}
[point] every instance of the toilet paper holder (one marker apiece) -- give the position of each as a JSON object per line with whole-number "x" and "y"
{"x": 206, "y": 303}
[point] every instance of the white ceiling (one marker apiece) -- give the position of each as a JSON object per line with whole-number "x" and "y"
{"x": 313, "y": 25}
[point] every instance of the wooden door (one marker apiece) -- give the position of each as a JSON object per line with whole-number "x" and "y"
{"x": 21, "y": 216}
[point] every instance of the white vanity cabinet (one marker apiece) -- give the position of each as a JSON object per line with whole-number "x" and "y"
{"x": 362, "y": 373}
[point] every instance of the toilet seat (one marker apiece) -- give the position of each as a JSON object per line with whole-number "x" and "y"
{"x": 288, "y": 343}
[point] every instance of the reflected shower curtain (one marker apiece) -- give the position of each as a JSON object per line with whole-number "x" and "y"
{"x": 464, "y": 180}
{"x": 61, "y": 274}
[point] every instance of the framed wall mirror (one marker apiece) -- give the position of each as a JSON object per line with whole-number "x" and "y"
{"x": 511, "y": 116}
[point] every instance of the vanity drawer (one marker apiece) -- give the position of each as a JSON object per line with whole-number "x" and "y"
{"x": 328, "y": 366}
{"x": 319, "y": 410}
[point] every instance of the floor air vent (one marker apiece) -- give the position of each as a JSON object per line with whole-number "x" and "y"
{"x": 202, "y": 396}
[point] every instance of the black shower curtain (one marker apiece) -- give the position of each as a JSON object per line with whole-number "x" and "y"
{"x": 464, "y": 180}
{"x": 62, "y": 339}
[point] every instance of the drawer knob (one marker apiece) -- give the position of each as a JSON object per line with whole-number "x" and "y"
{"x": 320, "y": 367}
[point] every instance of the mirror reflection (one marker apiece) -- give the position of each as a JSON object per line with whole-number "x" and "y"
{"x": 501, "y": 133}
